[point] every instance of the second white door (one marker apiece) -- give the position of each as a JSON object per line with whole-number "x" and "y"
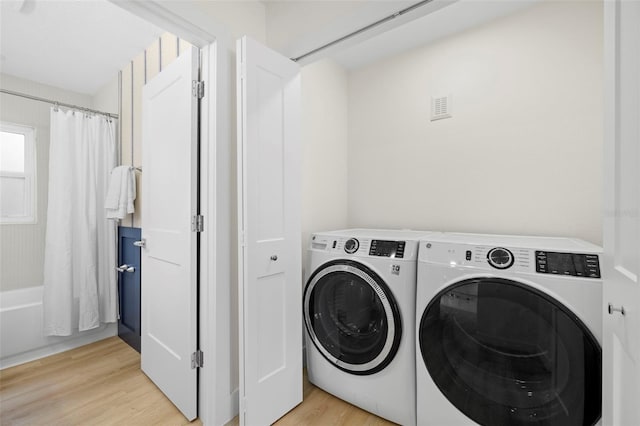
{"x": 270, "y": 271}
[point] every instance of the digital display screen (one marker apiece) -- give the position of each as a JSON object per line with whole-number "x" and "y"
{"x": 560, "y": 263}
{"x": 383, "y": 248}
{"x": 579, "y": 265}
{"x": 387, "y": 248}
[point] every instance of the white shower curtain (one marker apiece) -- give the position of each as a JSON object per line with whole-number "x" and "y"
{"x": 80, "y": 246}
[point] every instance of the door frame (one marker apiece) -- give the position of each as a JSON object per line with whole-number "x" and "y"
{"x": 217, "y": 397}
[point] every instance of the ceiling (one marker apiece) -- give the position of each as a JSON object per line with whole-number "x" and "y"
{"x": 80, "y": 45}
{"x": 454, "y": 18}
{"x": 77, "y": 45}
{"x": 295, "y": 28}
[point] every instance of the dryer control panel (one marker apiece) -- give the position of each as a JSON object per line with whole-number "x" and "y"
{"x": 577, "y": 265}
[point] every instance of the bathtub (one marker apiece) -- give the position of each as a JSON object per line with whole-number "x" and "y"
{"x": 21, "y": 338}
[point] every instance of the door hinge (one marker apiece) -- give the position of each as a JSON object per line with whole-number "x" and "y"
{"x": 197, "y": 359}
{"x": 197, "y": 89}
{"x": 197, "y": 223}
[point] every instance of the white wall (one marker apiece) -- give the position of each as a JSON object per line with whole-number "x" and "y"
{"x": 22, "y": 245}
{"x": 522, "y": 153}
{"x": 240, "y": 17}
{"x": 324, "y": 137}
{"x": 106, "y": 98}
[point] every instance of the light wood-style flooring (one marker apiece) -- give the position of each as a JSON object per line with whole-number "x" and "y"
{"x": 101, "y": 384}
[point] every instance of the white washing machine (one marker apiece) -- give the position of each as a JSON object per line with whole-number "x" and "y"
{"x": 359, "y": 312}
{"x": 508, "y": 331}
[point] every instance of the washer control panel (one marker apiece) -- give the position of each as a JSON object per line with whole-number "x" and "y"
{"x": 366, "y": 247}
{"x": 574, "y": 264}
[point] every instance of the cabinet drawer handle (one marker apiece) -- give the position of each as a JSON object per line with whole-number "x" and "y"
{"x": 125, "y": 268}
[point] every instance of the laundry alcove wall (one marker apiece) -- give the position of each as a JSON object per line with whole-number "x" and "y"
{"x": 522, "y": 152}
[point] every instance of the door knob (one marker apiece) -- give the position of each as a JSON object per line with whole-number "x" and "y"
{"x": 125, "y": 268}
{"x": 142, "y": 243}
{"x": 613, "y": 309}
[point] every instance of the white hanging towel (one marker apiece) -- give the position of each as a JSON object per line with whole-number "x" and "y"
{"x": 121, "y": 193}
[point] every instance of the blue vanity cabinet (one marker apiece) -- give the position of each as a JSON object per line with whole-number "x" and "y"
{"x": 129, "y": 286}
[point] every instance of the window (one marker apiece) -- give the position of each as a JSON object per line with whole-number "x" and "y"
{"x": 17, "y": 174}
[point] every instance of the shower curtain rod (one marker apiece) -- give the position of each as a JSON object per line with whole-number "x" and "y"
{"x": 363, "y": 29}
{"x": 62, "y": 104}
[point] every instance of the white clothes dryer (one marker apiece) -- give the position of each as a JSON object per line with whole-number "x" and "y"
{"x": 359, "y": 313}
{"x": 508, "y": 331}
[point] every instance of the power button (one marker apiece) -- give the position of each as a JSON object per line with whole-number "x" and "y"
{"x": 468, "y": 255}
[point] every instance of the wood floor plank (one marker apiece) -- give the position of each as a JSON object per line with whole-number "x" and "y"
{"x": 101, "y": 384}
{"x": 97, "y": 384}
{"x": 320, "y": 408}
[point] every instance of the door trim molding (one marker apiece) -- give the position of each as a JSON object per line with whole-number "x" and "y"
{"x": 168, "y": 18}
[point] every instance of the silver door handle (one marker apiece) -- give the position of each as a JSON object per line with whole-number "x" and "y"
{"x": 125, "y": 268}
{"x": 613, "y": 309}
{"x": 142, "y": 243}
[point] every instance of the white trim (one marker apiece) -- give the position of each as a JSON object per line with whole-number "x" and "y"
{"x": 207, "y": 334}
{"x": 241, "y": 218}
{"x": 180, "y": 18}
{"x": 221, "y": 255}
{"x": 216, "y": 337}
{"x": 30, "y": 174}
{"x": 157, "y": 13}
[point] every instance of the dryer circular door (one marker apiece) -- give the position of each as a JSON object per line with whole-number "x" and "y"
{"x": 352, "y": 317}
{"x": 504, "y": 353}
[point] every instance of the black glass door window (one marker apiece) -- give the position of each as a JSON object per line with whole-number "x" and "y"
{"x": 351, "y": 317}
{"x": 507, "y": 354}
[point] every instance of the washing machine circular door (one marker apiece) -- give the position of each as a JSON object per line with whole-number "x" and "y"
{"x": 504, "y": 353}
{"x": 352, "y": 317}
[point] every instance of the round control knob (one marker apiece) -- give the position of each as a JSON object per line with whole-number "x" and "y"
{"x": 351, "y": 246}
{"x": 500, "y": 258}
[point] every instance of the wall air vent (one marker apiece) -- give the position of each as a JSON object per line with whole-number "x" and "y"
{"x": 440, "y": 107}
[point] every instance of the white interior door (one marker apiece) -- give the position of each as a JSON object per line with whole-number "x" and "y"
{"x": 621, "y": 352}
{"x": 169, "y": 182}
{"x": 270, "y": 285}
